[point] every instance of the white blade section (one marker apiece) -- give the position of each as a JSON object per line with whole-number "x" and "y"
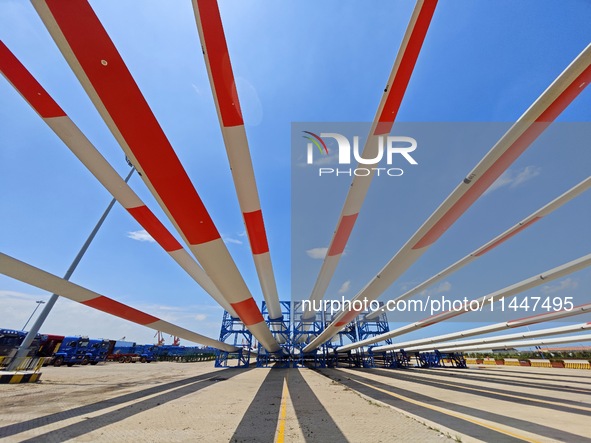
{"x": 522, "y": 343}
{"x": 514, "y": 142}
{"x": 104, "y": 75}
{"x": 36, "y": 277}
{"x": 512, "y": 324}
{"x": 23, "y": 81}
{"x": 474, "y": 255}
{"x": 502, "y": 338}
{"x": 382, "y": 124}
{"x": 223, "y": 85}
{"x": 509, "y": 291}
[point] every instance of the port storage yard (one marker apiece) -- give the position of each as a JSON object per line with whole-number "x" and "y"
{"x": 184, "y": 402}
{"x": 207, "y": 184}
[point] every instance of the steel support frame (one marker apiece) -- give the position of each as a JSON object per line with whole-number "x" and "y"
{"x": 282, "y": 331}
{"x": 305, "y": 331}
{"x": 386, "y": 359}
{"x": 233, "y": 329}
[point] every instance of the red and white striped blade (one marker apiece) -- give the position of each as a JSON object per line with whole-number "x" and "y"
{"x": 102, "y": 72}
{"x": 512, "y": 324}
{"x": 446, "y": 345}
{"x": 223, "y": 85}
{"x": 84, "y": 150}
{"x": 514, "y": 142}
{"x": 522, "y": 343}
{"x": 29, "y": 274}
{"x": 501, "y": 238}
{"x": 486, "y": 300}
{"x": 382, "y": 125}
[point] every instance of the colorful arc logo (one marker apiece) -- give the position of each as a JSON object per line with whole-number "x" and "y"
{"x": 317, "y": 141}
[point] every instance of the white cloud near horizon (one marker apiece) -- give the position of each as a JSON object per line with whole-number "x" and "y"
{"x": 71, "y": 318}
{"x": 141, "y": 235}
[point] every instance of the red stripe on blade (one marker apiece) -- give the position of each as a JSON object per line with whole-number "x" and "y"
{"x": 348, "y": 318}
{"x": 539, "y": 318}
{"x": 481, "y": 185}
{"x": 505, "y": 160}
{"x": 407, "y": 65}
{"x": 445, "y": 315}
{"x": 29, "y": 88}
{"x": 155, "y": 228}
{"x": 111, "y": 306}
{"x": 248, "y": 311}
{"x": 569, "y": 94}
{"x": 255, "y": 226}
{"x": 507, "y": 237}
{"x": 216, "y": 51}
{"x": 126, "y": 105}
{"x": 342, "y": 235}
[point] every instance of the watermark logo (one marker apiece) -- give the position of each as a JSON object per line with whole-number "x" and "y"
{"x": 378, "y": 149}
{"x": 317, "y": 141}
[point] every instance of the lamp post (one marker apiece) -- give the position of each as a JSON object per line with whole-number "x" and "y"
{"x": 23, "y": 348}
{"x": 39, "y": 303}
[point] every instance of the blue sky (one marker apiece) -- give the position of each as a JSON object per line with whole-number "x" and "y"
{"x": 294, "y": 61}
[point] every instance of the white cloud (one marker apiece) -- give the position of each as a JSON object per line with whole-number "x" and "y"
{"x": 526, "y": 174}
{"x": 232, "y": 240}
{"x": 324, "y": 160}
{"x": 317, "y": 253}
{"x": 70, "y": 318}
{"x": 405, "y": 286}
{"x": 141, "y": 235}
{"x": 439, "y": 289}
{"x": 514, "y": 178}
{"x": 17, "y": 295}
{"x": 327, "y": 160}
{"x": 344, "y": 287}
{"x": 443, "y": 287}
{"x": 196, "y": 89}
{"x": 503, "y": 180}
{"x": 564, "y": 285}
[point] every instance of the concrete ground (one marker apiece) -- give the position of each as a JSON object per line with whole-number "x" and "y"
{"x": 176, "y": 402}
{"x": 488, "y": 403}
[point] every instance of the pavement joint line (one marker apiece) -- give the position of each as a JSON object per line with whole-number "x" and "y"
{"x": 573, "y": 406}
{"x": 99, "y": 412}
{"x": 282, "y": 413}
{"x": 452, "y": 414}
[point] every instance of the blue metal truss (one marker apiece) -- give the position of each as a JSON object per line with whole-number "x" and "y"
{"x": 293, "y": 334}
{"x": 371, "y": 328}
{"x": 234, "y": 332}
{"x": 281, "y": 330}
{"x": 304, "y": 331}
{"x": 386, "y": 359}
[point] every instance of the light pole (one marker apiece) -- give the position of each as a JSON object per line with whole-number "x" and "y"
{"x": 23, "y": 348}
{"x": 39, "y": 303}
